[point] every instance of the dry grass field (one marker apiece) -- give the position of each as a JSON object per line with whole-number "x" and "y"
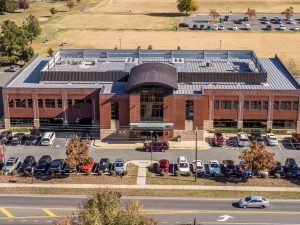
{"x": 142, "y": 22}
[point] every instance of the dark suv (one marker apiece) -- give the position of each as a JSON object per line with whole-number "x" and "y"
{"x": 18, "y": 138}
{"x": 228, "y": 167}
{"x": 34, "y": 137}
{"x": 291, "y": 167}
{"x": 43, "y": 164}
{"x": 5, "y": 136}
{"x": 156, "y": 146}
{"x": 27, "y": 164}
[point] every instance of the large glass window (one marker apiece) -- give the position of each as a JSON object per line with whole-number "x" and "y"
{"x": 225, "y": 123}
{"x": 246, "y": 104}
{"x": 295, "y": 105}
{"x": 115, "y": 110}
{"x": 21, "y": 121}
{"x": 254, "y": 123}
{"x": 40, "y": 103}
{"x": 276, "y": 105}
{"x": 255, "y": 104}
{"x": 29, "y": 103}
{"x": 189, "y": 109}
{"x": 265, "y": 104}
{"x": 225, "y": 104}
{"x": 59, "y": 103}
{"x": 235, "y": 104}
{"x": 151, "y": 104}
{"x": 284, "y": 124}
{"x": 20, "y": 103}
{"x": 285, "y": 105}
{"x": 49, "y": 103}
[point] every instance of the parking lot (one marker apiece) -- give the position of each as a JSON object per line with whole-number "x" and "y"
{"x": 256, "y": 22}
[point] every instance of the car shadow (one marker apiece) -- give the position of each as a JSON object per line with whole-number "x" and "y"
{"x": 235, "y": 205}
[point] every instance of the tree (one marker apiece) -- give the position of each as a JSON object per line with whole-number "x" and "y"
{"x": 53, "y": 10}
{"x": 32, "y": 26}
{"x": 104, "y": 208}
{"x": 50, "y": 52}
{"x": 187, "y": 6}
{"x": 251, "y": 13}
{"x": 8, "y": 6}
{"x": 258, "y": 158}
{"x": 70, "y": 4}
{"x": 178, "y": 48}
{"x": 24, "y": 4}
{"x": 150, "y": 47}
{"x": 27, "y": 54}
{"x": 214, "y": 13}
{"x": 77, "y": 152}
{"x": 288, "y": 13}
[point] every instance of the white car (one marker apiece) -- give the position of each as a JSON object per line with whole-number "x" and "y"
{"x": 198, "y": 166}
{"x": 282, "y": 27}
{"x": 296, "y": 28}
{"x": 291, "y": 21}
{"x": 271, "y": 139}
{"x": 242, "y": 139}
{"x": 183, "y": 165}
{"x": 234, "y": 27}
{"x": 215, "y": 27}
{"x": 11, "y": 164}
{"x": 247, "y": 26}
{"x": 214, "y": 167}
{"x": 48, "y": 138}
{"x": 221, "y": 27}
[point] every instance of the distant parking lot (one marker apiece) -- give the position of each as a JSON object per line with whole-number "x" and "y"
{"x": 256, "y": 23}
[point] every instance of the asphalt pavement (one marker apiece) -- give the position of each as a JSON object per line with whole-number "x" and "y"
{"x": 40, "y": 210}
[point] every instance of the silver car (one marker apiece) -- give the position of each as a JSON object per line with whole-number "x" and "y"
{"x": 11, "y": 164}
{"x": 254, "y": 202}
{"x": 119, "y": 166}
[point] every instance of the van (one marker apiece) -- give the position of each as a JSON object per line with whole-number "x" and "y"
{"x": 48, "y": 138}
{"x": 183, "y": 165}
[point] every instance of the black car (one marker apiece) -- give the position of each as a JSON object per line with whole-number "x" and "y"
{"x": 257, "y": 137}
{"x": 27, "y": 164}
{"x": 202, "y": 27}
{"x": 43, "y": 164}
{"x": 34, "y": 137}
{"x": 182, "y": 25}
{"x": 278, "y": 169}
{"x": 6, "y": 136}
{"x": 228, "y": 167}
{"x": 69, "y": 169}
{"x": 195, "y": 27}
{"x": 104, "y": 165}
{"x": 269, "y": 27}
{"x": 18, "y": 138}
{"x": 291, "y": 167}
{"x": 56, "y": 166}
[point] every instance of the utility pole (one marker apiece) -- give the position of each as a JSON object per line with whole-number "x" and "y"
{"x": 196, "y": 152}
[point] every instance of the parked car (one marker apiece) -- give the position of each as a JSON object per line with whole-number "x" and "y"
{"x": 257, "y": 137}
{"x": 271, "y": 139}
{"x": 156, "y": 146}
{"x": 209, "y": 27}
{"x": 34, "y": 137}
{"x": 282, "y": 27}
{"x": 104, "y": 165}
{"x": 43, "y": 164}
{"x": 254, "y": 202}
{"x": 214, "y": 167}
{"x": 269, "y": 27}
{"x": 296, "y": 140}
{"x": 215, "y": 27}
{"x": 290, "y": 21}
{"x": 228, "y": 167}
{"x": 183, "y": 165}
{"x": 242, "y": 139}
{"x": 240, "y": 21}
{"x": 198, "y": 167}
{"x": 14, "y": 68}
{"x": 242, "y": 170}
{"x": 69, "y": 169}
{"x": 195, "y": 27}
{"x": 219, "y": 139}
{"x": 48, "y": 138}
{"x": 87, "y": 167}
{"x": 183, "y": 25}
{"x": 202, "y": 27}
{"x": 296, "y": 28}
{"x": 234, "y": 27}
{"x": 226, "y": 18}
{"x": 163, "y": 166}
{"x": 119, "y": 166}
{"x": 6, "y": 136}
{"x": 18, "y": 138}
{"x": 28, "y": 163}
{"x": 221, "y": 27}
{"x": 11, "y": 164}
{"x": 56, "y": 166}
{"x": 247, "y": 26}
{"x": 278, "y": 169}
{"x": 292, "y": 167}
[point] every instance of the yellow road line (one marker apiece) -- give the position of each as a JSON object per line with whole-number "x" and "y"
{"x": 22, "y": 207}
{"x": 32, "y": 217}
{"x": 6, "y": 213}
{"x": 49, "y": 213}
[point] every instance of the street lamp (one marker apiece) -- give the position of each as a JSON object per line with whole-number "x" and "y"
{"x": 196, "y": 152}
{"x": 151, "y": 144}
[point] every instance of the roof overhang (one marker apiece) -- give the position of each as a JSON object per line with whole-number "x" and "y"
{"x": 151, "y": 125}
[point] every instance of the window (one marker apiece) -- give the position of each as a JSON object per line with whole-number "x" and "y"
{"x": 255, "y": 105}
{"x": 189, "y": 109}
{"x": 284, "y": 124}
{"x": 236, "y": 104}
{"x": 295, "y": 105}
{"x": 29, "y": 103}
{"x": 69, "y": 102}
{"x": 225, "y": 104}
{"x": 225, "y": 123}
{"x": 254, "y": 123}
{"x": 276, "y": 105}
{"x": 285, "y": 105}
{"x": 79, "y": 103}
{"x": 115, "y": 110}
{"x": 20, "y": 103}
{"x": 11, "y": 103}
{"x": 265, "y": 104}
{"x": 246, "y": 104}
{"x": 49, "y": 103}
{"x": 40, "y": 103}
{"x": 59, "y": 103}
{"x": 88, "y": 101}
{"x": 21, "y": 121}
{"x": 216, "y": 104}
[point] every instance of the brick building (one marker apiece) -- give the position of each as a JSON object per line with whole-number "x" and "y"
{"x": 128, "y": 93}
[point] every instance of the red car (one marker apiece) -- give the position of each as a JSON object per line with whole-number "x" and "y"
{"x": 163, "y": 166}
{"x": 219, "y": 139}
{"x": 88, "y": 167}
{"x": 156, "y": 146}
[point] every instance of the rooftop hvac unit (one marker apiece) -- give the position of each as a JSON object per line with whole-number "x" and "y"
{"x": 177, "y": 60}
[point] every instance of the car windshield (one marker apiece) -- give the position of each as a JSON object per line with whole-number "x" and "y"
{"x": 248, "y": 199}
{"x": 214, "y": 165}
{"x": 104, "y": 162}
{"x": 220, "y": 138}
{"x": 163, "y": 166}
{"x": 243, "y": 139}
{"x": 10, "y": 163}
{"x": 119, "y": 164}
{"x": 55, "y": 164}
{"x": 199, "y": 167}
{"x": 28, "y": 160}
{"x": 183, "y": 165}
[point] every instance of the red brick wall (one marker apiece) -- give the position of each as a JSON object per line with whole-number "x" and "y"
{"x": 123, "y": 111}
{"x": 201, "y": 111}
{"x": 105, "y": 111}
{"x": 179, "y": 113}
{"x": 134, "y": 108}
{"x": 168, "y": 108}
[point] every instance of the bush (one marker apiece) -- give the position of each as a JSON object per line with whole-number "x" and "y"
{"x": 14, "y": 173}
{"x": 150, "y": 47}
{"x": 1, "y": 172}
{"x": 162, "y": 173}
{"x": 177, "y": 173}
{"x": 88, "y": 173}
{"x": 100, "y": 172}
{"x": 289, "y": 175}
{"x": 277, "y": 175}
{"x": 113, "y": 173}
{"x": 53, "y": 10}
{"x": 21, "y": 129}
{"x": 264, "y": 175}
{"x": 189, "y": 174}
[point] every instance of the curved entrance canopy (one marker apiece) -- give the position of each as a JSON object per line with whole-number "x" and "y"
{"x": 156, "y": 74}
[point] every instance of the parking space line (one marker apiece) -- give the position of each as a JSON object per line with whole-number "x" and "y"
{"x": 6, "y": 213}
{"x": 49, "y": 213}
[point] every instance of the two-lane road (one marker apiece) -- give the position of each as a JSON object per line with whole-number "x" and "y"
{"x": 42, "y": 210}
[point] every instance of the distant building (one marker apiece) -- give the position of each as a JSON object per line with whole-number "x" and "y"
{"x": 128, "y": 93}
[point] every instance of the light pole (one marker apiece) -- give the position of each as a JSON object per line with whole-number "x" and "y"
{"x": 120, "y": 41}
{"x": 196, "y": 152}
{"x": 151, "y": 144}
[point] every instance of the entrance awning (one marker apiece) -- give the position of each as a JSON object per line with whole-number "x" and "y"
{"x": 150, "y": 125}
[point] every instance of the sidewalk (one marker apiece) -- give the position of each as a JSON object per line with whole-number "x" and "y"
{"x": 189, "y": 145}
{"x": 153, "y": 187}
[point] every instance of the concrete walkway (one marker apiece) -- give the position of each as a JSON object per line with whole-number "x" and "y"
{"x": 142, "y": 171}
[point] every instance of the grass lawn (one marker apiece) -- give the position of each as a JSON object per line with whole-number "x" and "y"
{"x": 130, "y": 178}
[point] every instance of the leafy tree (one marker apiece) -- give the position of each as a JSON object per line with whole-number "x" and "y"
{"x": 251, "y": 13}
{"x": 104, "y": 208}
{"x": 8, "y": 6}
{"x": 258, "y": 158}
{"x": 77, "y": 152}
{"x": 32, "y": 26}
{"x": 187, "y": 6}
{"x": 53, "y": 10}
{"x": 70, "y": 4}
{"x": 50, "y": 51}
{"x": 288, "y": 13}
{"x": 150, "y": 47}
{"x": 214, "y": 14}
{"x": 178, "y": 48}
{"x": 24, "y": 4}
{"x": 27, "y": 54}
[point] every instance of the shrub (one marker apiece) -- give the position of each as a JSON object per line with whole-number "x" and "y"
{"x": 263, "y": 175}
{"x": 14, "y": 173}
{"x": 113, "y": 173}
{"x": 21, "y": 129}
{"x": 100, "y": 172}
{"x": 178, "y": 48}
{"x": 1, "y": 172}
{"x": 88, "y": 173}
{"x": 289, "y": 175}
{"x": 150, "y": 47}
{"x": 189, "y": 174}
{"x": 138, "y": 48}
{"x": 162, "y": 173}
{"x": 177, "y": 173}
{"x": 277, "y": 175}
{"x": 53, "y": 10}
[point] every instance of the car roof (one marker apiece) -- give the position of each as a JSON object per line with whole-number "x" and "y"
{"x": 163, "y": 161}
{"x": 214, "y": 161}
{"x": 256, "y": 197}
{"x": 120, "y": 160}
{"x": 12, "y": 158}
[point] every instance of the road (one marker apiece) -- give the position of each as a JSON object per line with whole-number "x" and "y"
{"x": 41, "y": 210}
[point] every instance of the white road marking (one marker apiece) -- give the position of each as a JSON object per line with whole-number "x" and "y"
{"x": 224, "y": 218}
